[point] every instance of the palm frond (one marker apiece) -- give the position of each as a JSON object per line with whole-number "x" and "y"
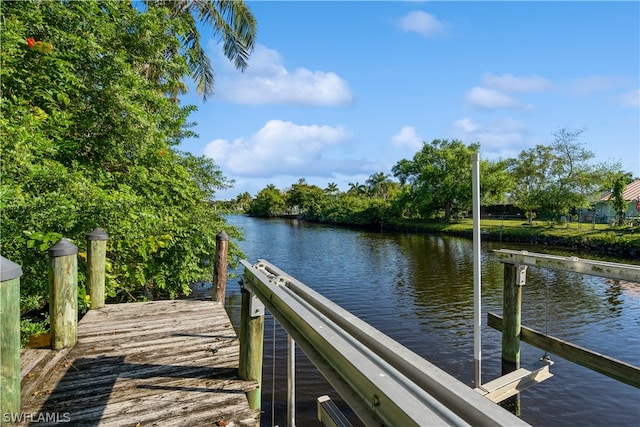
{"x": 232, "y": 23}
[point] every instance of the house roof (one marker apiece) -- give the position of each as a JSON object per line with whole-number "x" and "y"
{"x": 631, "y": 192}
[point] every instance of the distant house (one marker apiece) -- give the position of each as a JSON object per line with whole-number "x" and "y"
{"x": 604, "y": 207}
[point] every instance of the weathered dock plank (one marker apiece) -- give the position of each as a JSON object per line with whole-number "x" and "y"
{"x": 159, "y": 363}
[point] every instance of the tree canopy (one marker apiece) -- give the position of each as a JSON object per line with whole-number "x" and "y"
{"x": 90, "y": 139}
{"x": 439, "y": 178}
{"x": 559, "y": 178}
{"x": 550, "y": 181}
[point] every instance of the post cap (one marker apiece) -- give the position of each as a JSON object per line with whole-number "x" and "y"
{"x": 222, "y": 236}
{"x": 62, "y": 248}
{"x": 9, "y": 269}
{"x": 97, "y": 234}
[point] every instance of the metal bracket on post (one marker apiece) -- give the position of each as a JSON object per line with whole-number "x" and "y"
{"x": 522, "y": 274}
{"x": 256, "y": 307}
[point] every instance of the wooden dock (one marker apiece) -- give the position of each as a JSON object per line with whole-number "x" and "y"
{"x": 159, "y": 363}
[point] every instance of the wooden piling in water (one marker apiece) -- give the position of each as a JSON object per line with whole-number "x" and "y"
{"x": 514, "y": 279}
{"x": 606, "y": 365}
{"x": 96, "y": 262}
{"x": 219, "y": 285}
{"x": 251, "y": 345}
{"x": 63, "y": 294}
{"x": 10, "y": 273}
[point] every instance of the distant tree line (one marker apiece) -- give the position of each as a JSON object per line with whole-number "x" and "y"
{"x": 546, "y": 182}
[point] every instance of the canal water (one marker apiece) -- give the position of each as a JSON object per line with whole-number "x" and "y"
{"x": 418, "y": 289}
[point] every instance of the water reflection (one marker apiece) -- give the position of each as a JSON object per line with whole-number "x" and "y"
{"x": 614, "y": 296}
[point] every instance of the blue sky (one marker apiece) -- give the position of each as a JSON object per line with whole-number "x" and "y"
{"x": 336, "y": 91}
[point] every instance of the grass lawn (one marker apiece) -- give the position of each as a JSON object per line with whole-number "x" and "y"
{"x": 623, "y": 240}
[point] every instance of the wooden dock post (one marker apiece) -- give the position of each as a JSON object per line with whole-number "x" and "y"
{"x": 251, "y": 344}
{"x": 514, "y": 279}
{"x": 219, "y": 285}
{"x": 96, "y": 261}
{"x": 10, "y": 273}
{"x": 63, "y": 294}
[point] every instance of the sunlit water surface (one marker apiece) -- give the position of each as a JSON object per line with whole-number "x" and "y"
{"x": 418, "y": 289}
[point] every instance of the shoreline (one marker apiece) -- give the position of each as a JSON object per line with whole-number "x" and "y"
{"x": 619, "y": 242}
{"x": 627, "y": 249}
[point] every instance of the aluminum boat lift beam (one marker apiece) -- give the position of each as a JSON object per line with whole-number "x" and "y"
{"x": 382, "y": 381}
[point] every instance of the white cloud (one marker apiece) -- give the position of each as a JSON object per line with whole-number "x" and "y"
{"x": 422, "y": 23}
{"x": 407, "y": 137}
{"x": 483, "y": 97}
{"x": 496, "y": 91}
{"x": 282, "y": 148}
{"x": 465, "y": 126}
{"x": 267, "y": 81}
{"x": 630, "y": 99}
{"x": 511, "y": 84}
{"x": 587, "y": 85}
{"x": 501, "y": 139}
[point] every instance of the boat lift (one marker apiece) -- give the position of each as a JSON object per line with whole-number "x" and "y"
{"x": 511, "y": 383}
{"x": 381, "y": 380}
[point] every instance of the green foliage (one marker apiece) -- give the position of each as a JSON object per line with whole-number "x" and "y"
{"x": 332, "y": 188}
{"x": 89, "y": 140}
{"x": 307, "y": 199}
{"x": 601, "y": 238}
{"x": 495, "y": 182}
{"x": 617, "y": 198}
{"x": 556, "y": 179}
{"x": 231, "y": 21}
{"x": 242, "y": 202}
{"x": 379, "y": 185}
{"x": 357, "y": 210}
{"x": 529, "y": 173}
{"x": 570, "y": 177}
{"x": 436, "y": 185}
{"x": 439, "y": 179}
{"x": 32, "y": 327}
{"x": 357, "y": 188}
{"x": 268, "y": 202}
{"x": 316, "y": 204}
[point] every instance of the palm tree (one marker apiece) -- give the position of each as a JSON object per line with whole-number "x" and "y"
{"x": 243, "y": 201}
{"x": 233, "y": 24}
{"x": 357, "y": 188}
{"x": 332, "y": 188}
{"x": 377, "y": 184}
